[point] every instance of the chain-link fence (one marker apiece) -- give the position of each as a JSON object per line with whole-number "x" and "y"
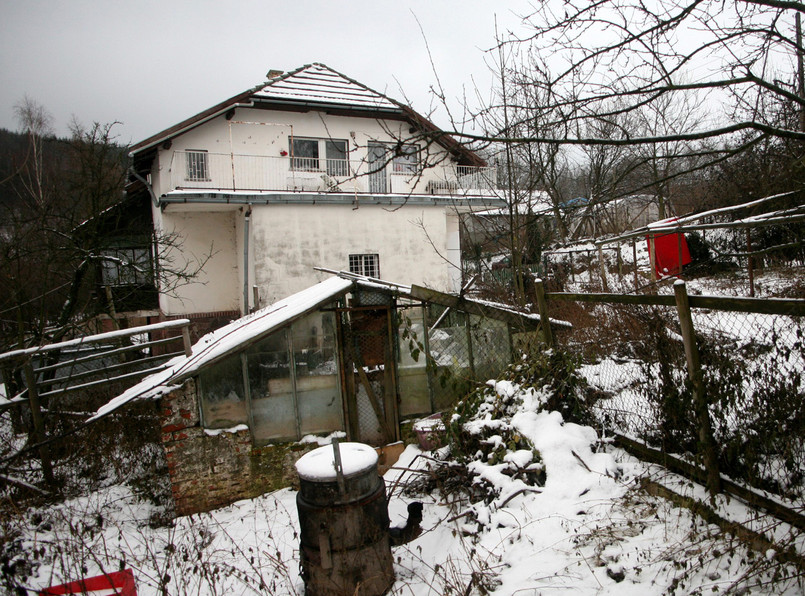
{"x": 751, "y": 364}
{"x": 444, "y": 352}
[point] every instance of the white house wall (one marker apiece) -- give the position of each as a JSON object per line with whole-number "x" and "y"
{"x": 290, "y": 240}
{"x": 287, "y": 240}
{"x": 266, "y": 133}
{"x": 199, "y": 236}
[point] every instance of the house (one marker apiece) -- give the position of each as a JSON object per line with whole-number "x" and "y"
{"x": 307, "y": 169}
{"x": 351, "y": 354}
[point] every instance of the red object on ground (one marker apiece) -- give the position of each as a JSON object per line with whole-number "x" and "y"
{"x": 667, "y": 249}
{"x": 122, "y": 582}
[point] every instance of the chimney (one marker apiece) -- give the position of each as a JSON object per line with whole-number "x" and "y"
{"x": 273, "y": 74}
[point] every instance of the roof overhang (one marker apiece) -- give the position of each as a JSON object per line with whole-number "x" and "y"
{"x": 461, "y": 202}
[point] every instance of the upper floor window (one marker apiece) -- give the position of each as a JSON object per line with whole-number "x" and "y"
{"x": 197, "y": 165}
{"x": 368, "y": 265}
{"x": 306, "y": 155}
{"x": 406, "y": 159}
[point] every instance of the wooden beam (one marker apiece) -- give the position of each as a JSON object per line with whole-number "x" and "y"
{"x": 527, "y": 321}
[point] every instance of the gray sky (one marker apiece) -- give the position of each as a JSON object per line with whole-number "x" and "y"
{"x": 152, "y": 63}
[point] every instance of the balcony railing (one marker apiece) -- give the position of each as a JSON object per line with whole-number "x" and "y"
{"x": 196, "y": 170}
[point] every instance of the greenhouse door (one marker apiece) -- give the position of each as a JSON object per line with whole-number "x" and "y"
{"x": 371, "y": 388}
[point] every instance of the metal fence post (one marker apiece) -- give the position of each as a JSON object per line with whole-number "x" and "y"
{"x": 39, "y": 424}
{"x": 707, "y": 444}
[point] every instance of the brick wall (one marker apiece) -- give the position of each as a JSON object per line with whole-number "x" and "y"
{"x": 211, "y": 471}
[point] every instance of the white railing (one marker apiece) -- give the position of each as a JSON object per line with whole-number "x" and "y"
{"x": 195, "y": 170}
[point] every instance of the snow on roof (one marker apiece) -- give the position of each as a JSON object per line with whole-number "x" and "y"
{"x": 229, "y": 338}
{"x": 321, "y": 84}
{"x": 537, "y": 203}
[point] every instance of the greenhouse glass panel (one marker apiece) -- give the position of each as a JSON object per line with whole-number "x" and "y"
{"x": 271, "y": 389}
{"x": 412, "y": 373}
{"x": 223, "y": 397}
{"x": 318, "y": 393}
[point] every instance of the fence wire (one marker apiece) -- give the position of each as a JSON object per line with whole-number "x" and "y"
{"x": 633, "y": 359}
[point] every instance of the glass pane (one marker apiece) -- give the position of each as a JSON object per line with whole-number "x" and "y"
{"x": 336, "y": 152}
{"x": 271, "y": 389}
{"x": 305, "y": 154}
{"x": 406, "y": 161}
{"x": 317, "y": 380}
{"x": 412, "y": 371}
{"x": 223, "y": 398}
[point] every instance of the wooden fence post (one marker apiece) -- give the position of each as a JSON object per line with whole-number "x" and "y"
{"x": 39, "y": 423}
{"x": 603, "y": 268}
{"x": 707, "y": 445}
{"x": 749, "y": 263}
{"x": 188, "y": 349}
{"x": 542, "y": 305}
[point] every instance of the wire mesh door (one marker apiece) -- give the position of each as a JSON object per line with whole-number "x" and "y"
{"x": 371, "y": 388}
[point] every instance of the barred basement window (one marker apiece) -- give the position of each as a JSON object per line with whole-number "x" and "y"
{"x": 197, "y": 165}
{"x": 368, "y": 265}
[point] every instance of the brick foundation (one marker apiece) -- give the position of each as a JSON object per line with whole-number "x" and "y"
{"x": 211, "y": 471}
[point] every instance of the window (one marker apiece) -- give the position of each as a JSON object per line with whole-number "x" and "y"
{"x": 406, "y": 159}
{"x": 126, "y": 266}
{"x": 336, "y": 151}
{"x": 306, "y": 153}
{"x": 284, "y": 386}
{"x": 197, "y": 165}
{"x": 368, "y": 265}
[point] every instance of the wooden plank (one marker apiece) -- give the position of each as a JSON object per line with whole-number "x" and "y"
{"x": 101, "y": 337}
{"x": 769, "y": 306}
{"x": 107, "y": 353}
{"x": 134, "y": 375}
{"x": 39, "y": 425}
{"x": 520, "y": 320}
{"x": 106, "y": 369}
{"x": 647, "y": 299}
{"x": 766, "y": 306}
{"x": 680, "y": 466}
{"x": 755, "y": 540}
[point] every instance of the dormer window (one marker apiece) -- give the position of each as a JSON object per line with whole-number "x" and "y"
{"x": 197, "y": 165}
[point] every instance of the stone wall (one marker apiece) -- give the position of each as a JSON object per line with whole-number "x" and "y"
{"x": 209, "y": 469}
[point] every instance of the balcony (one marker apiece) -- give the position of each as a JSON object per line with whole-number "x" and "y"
{"x": 198, "y": 170}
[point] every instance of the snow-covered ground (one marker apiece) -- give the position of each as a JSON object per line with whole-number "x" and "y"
{"x": 590, "y": 529}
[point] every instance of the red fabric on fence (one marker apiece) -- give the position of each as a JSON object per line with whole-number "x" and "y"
{"x": 120, "y": 581}
{"x": 666, "y": 253}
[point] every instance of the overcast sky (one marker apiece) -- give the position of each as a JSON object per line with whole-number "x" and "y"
{"x": 152, "y": 63}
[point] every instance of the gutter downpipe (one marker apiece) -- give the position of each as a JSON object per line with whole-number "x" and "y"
{"x": 150, "y": 188}
{"x": 246, "y": 222}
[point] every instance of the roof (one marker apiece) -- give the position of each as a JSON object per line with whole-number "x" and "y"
{"x": 313, "y": 86}
{"x": 317, "y": 83}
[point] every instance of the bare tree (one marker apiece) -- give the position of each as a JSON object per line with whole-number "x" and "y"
{"x": 616, "y": 57}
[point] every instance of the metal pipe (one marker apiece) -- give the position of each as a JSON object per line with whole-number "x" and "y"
{"x": 246, "y": 221}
